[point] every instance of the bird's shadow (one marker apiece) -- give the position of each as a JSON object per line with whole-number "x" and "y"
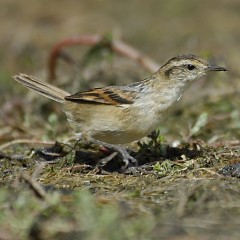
{"x": 88, "y": 155}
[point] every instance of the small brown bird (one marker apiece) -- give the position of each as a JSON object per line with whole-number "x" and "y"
{"x": 122, "y": 114}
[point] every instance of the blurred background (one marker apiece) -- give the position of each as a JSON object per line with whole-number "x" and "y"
{"x": 160, "y": 29}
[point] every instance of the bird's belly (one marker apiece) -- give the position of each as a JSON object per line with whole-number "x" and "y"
{"x": 112, "y": 125}
{"x": 133, "y": 129}
{"x": 117, "y": 132}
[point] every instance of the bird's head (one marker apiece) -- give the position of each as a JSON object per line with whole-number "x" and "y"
{"x": 186, "y": 68}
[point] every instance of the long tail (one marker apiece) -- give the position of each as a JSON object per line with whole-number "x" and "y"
{"x": 45, "y": 89}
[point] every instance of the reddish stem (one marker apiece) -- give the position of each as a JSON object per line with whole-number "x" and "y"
{"x": 116, "y": 45}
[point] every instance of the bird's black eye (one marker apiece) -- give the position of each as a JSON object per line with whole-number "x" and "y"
{"x": 190, "y": 67}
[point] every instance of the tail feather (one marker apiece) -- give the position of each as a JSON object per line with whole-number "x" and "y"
{"x": 42, "y": 88}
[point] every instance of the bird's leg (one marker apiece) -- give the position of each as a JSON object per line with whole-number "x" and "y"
{"x": 126, "y": 157}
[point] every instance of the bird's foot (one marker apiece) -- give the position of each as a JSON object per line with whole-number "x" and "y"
{"x": 129, "y": 162}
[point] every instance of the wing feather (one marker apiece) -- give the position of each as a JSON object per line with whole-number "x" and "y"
{"x": 107, "y": 95}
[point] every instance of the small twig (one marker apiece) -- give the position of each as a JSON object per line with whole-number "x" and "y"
{"x": 16, "y": 157}
{"x": 25, "y": 141}
{"x": 34, "y": 185}
{"x": 19, "y": 157}
{"x": 78, "y": 167}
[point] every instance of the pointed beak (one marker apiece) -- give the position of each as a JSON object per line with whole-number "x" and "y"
{"x": 216, "y": 68}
